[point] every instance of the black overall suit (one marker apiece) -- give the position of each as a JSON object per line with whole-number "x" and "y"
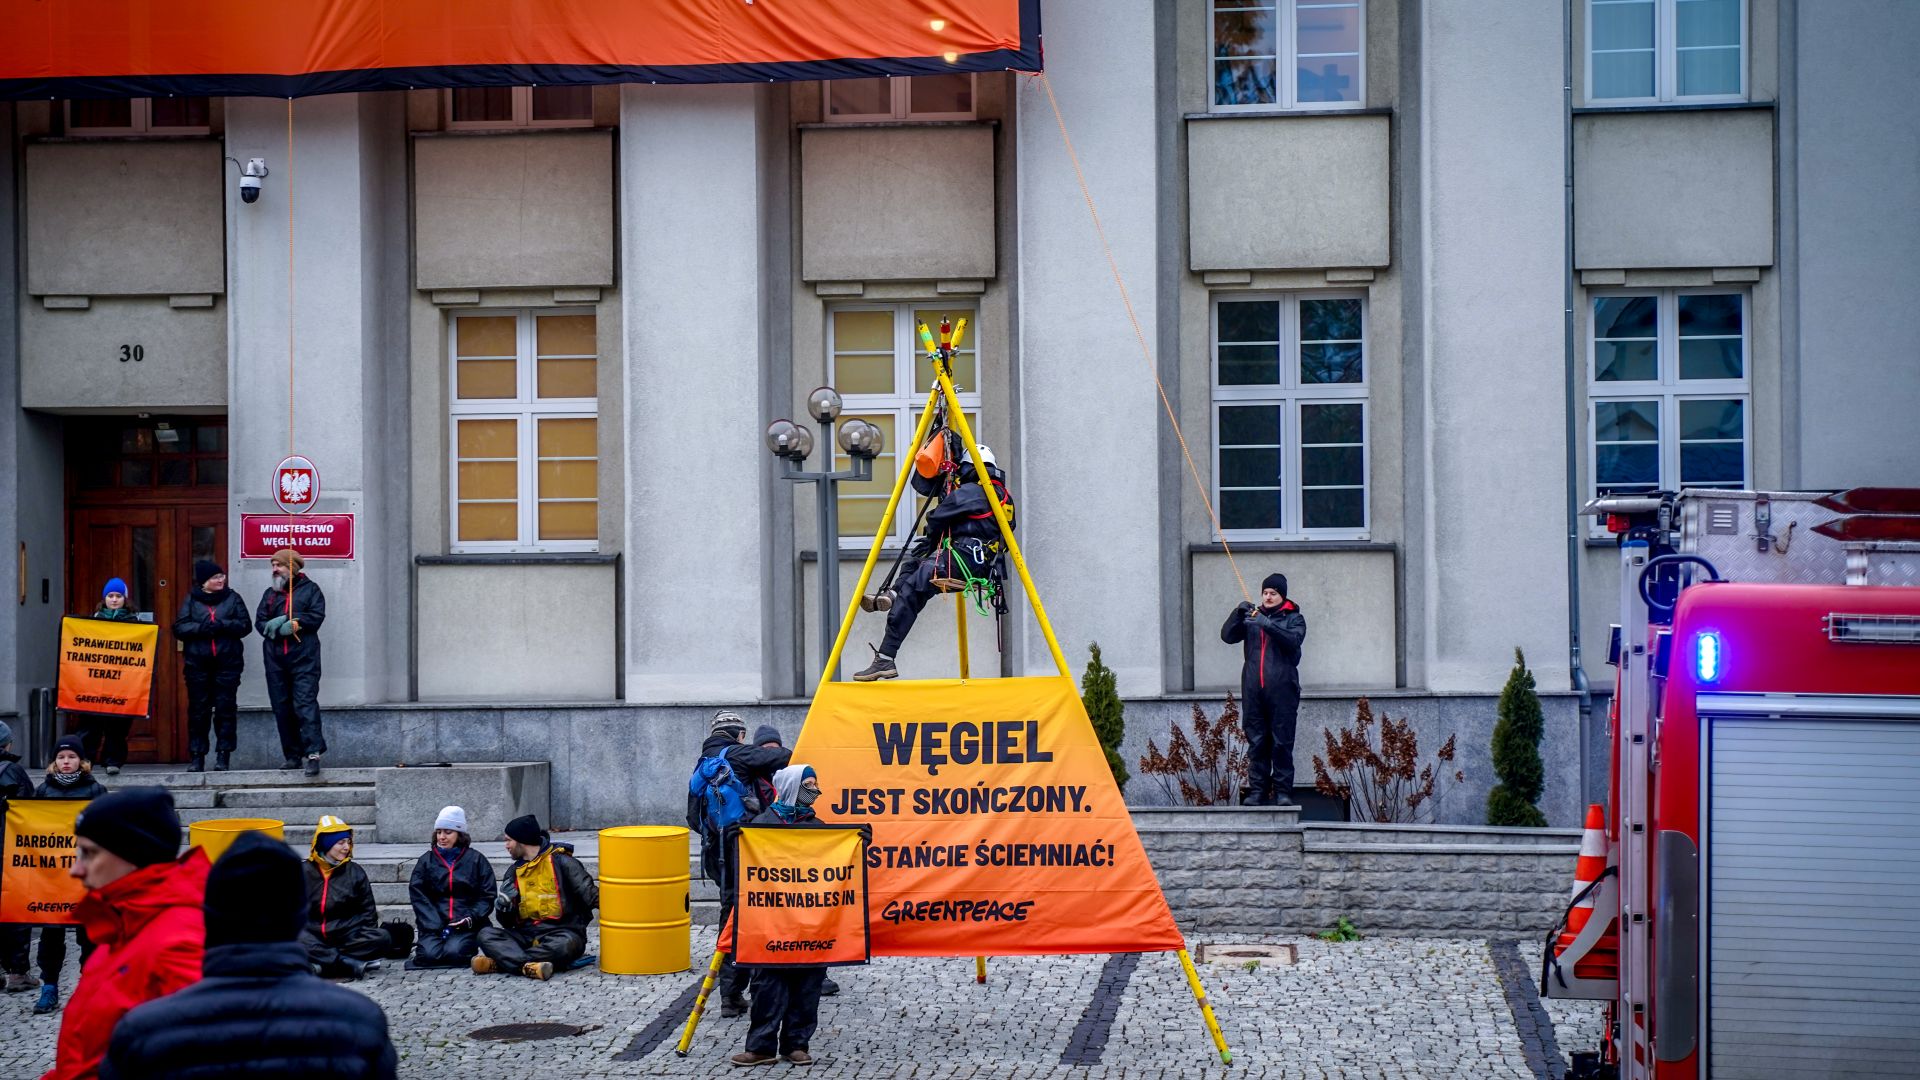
{"x": 210, "y": 628}
{"x": 293, "y": 666}
{"x": 1270, "y": 640}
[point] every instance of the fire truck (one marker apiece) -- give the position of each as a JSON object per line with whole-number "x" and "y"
{"x": 1758, "y": 915}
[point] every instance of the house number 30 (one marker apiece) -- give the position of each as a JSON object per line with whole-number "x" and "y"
{"x": 135, "y": 353}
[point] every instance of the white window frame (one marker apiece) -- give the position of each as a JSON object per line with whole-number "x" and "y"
{"x": 1668, "y": 388}
{"x": 1286, "y": 62}
{"x": 1666, "y": 62}
{"x": 528, "y": 410}
{"x": 139, "y": 121}
{"x": 900, "y": 91}
{"x": 905, "y": 403}
{"x": 1290, "y": 394}
{"x": 522, "y": 115}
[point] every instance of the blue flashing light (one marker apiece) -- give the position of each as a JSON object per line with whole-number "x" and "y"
{"x": 1706, "y": 656}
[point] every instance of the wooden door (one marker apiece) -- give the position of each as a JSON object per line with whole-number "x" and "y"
{"x": 143, "y": 509}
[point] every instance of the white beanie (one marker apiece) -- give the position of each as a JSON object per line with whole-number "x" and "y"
{"x": 451, "y": 817}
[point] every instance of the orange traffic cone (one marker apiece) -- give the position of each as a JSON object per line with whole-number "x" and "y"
{"x": 1603, "y": 960}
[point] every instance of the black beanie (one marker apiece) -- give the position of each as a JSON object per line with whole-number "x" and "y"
{"x": 138, "y": 824}
{"x": 70, "y": 742}
{"x": 767, "y": 734}
{"x": 526, "y": 829}
{"x": 1276, "y": 582}
{"x": 204, "y": 569}
{"x": 256, "y": 893}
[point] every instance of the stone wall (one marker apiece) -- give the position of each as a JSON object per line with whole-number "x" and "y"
{"x": 1262, "y": 871}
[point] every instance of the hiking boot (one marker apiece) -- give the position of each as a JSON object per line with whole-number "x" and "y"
{"x": 356, "y": 969}
{"x": 733, "y": 1005}
{"x": 483, "y": 964}
{"x": 198, "y": 764}
{"x": 20, "y": 982}
{"x": 49, "y": 999}
{"x": 881, "y": 668}
{"x": 1249, "y": 797}
{"x": 113, "y": 770}
{"x": 799, "y": 1057}
{"x": 1276, "y": 799}
{"x": 313, "y": 765}
{"x": 880, "y": 601}
{"x": 222, "y": 760}
{"x": 541, "y": 971}
{"x": 290, "y": 763}
{"x": 828, "y": 987}
{"x": 748, "y": 1057}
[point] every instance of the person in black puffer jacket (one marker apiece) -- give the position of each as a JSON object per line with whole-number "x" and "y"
{"x": 14, "y": 784}
{"x": 211, "y": 623}
{"x": 289, "y": 618}
{"x": 68, "y": 777}
{"x": 1270, "y": 638}
{"x": 259, "y": 1011}
{"x": 452, "y": 890}
{"x": 344, "y": 937}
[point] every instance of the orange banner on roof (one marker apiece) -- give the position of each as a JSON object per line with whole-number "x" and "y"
{"x": 106, "y": 666}
{"x": 997, "y": 827}
{"x": 115, "y": 48}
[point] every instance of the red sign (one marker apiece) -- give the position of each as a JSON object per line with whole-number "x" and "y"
{"x": 314, "y": 536}
{"x": 296, "y": 484}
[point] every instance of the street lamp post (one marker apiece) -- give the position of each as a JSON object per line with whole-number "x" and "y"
{"x": 791, "y": 443}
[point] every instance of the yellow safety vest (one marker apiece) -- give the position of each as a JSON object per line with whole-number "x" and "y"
{"x": 539, "y": 886}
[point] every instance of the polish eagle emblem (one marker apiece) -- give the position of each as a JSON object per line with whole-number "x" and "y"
{"x": 295, "y": 484}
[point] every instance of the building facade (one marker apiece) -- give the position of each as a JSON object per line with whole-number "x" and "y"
{"x": 1414, "y": 277}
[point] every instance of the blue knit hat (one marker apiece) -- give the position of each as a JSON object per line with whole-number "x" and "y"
{"x": 114, "y": 585}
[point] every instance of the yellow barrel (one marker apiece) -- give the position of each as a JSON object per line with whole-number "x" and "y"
{"x": 646, "y": 914}
{"x": 218, "y": 835}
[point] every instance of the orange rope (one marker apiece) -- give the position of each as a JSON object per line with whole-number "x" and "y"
{"x": 1146, "y": 353}
{"x": 289, "y": 281}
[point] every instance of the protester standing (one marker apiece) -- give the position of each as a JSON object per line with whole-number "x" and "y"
{"x": 344, "y": 936}
{"x": 106, "y": 736}
{"x": 210, "y": 625}
{"x": 453, "y": 891}
{"x": 143, "y": 912}
{"x": 729, "y": 761}
{"x": 786, "y": 999}
{"x": 258, "y": 1012}
{"x": 68, "y": 777}
{"x": 14, "y": 784}
{"x": 544, "y": 906}
{"x": 1270, "y": 638}
{"x": 289, "y": 618}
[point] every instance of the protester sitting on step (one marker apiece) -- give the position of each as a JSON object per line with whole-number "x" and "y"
{"x": 725, "y": 779}
{"x": 68, "y": 777}
{"x": 142, "y": 910}
{"x": 452, "y": 891}
{"x": 543, "y": 905}
{"x": 786, "y": 999}
{"x": 344, "y": 937}
{"x": 14, "y": 784}
{"x": 961, "y": 543}
{"x": 260, "y": 1011}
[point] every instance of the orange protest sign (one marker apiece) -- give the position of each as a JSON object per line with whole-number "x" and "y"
{"x": 38, "y": 849}
{"x": 997, "y": 827}
{"x": 800, "y": 896}
{"x": 107, "y": 666}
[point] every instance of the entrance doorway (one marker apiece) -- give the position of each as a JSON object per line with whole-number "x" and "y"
{"x": 145, "y": 498}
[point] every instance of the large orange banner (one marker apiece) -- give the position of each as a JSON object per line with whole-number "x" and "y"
{"x": 997, "y": 827}
{"x": 38, "y": 848}
{"x": 801, "y": 896}
{"x": 107, "y": 666}
{"x": 95, "y": 48}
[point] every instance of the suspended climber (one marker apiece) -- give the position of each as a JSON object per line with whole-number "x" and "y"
{"x": 960, "y": 549}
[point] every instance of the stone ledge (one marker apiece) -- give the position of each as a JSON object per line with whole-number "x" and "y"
{"x": 492, "y": 794}
{"x": 1558, "y": 851}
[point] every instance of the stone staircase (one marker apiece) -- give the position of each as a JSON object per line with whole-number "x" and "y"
{"x": 287, "y": 796}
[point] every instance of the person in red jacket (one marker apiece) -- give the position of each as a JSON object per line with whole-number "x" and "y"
{"x": 143, "y": 911}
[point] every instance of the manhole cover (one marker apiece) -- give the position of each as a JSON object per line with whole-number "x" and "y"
{"x": 513, "y": 1033}
{"x": 1258, "y": 954}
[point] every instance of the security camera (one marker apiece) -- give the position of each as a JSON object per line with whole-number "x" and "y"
{"x": 250, "y": 179}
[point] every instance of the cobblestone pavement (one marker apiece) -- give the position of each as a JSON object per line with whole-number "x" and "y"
{"x": 1401, "y": 1009}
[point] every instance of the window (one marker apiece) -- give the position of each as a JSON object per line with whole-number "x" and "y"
{"x": 1289, "y": 54}
{"x": 520, "y": 106}
{"x": 915, "y": 97}
{"x": 1290, "y": 416}
{"x": 875, "y": 361}
{"x": 1668, "y": 391}
{"x": 525, "y": 414}
{"x": 139, "y": 116}
{"x": 1652, "y": 51}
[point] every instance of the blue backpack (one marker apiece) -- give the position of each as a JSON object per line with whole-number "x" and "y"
{"x": 719, "y": 796}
